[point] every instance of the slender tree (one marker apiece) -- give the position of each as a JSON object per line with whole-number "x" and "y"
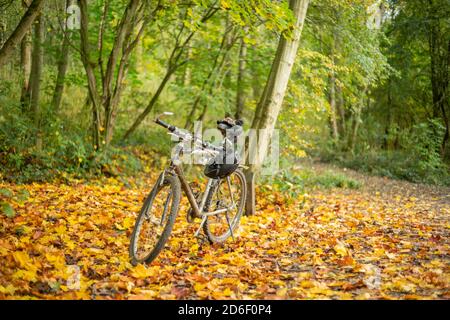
{"x": 63, "y": 63}
{"x": 25, "y": 63}
{"x": 21, "y": 30}
{"x": 240, "y": 94}
{"x": 106, "y": 101}
{"x": 272, "y": 98}
{"x": 35, "y": 77}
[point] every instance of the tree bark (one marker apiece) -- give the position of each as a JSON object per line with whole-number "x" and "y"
{"x": 240, "y": 95}
{"x": 439, "y": 51}
{"x": 332, "y": 94}
{"x": 272, "y": 99}
{"x": 92, "y": 82}
{"x": 25, "y": 63}
{"x": 63, "y": 64}
{"x": 122, "y": 36}
{"x": 340, "y": 106}
{"x": 35, "y": 78}
{"x": 22, "y": 28}
{"x": 356, "y": 121}
{"x": 333, "y": 109}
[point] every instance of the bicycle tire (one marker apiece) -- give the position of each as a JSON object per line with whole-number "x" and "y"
{"x": 176, "y": 194}
{"x": 235, "y": 223}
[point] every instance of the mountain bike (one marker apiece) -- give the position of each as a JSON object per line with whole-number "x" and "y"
{"x": 219, "y": 207}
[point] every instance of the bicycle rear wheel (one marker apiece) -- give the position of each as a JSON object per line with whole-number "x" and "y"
{"x": 155, "y": 221}
{"x": 228, "y": 193}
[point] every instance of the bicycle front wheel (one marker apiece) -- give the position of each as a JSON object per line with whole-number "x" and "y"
{"x": 227, "y": 198}
{"x": 155, "y": 221}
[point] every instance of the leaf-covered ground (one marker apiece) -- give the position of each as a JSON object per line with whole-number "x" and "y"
{"x": 388, "y": 240}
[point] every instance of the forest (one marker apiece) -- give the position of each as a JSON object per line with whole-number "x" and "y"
{"x": 356, "y": 92}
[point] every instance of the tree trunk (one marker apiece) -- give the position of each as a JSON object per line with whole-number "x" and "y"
{"x": 356, "y": 121}
{"x": 25, "y": 62}
{"x": 63, "y": 63}
{"x": 439, "y": 51}
{"x": 355, "y": 127}
{"x": 24, "y": 25}
{"x": 92, "y": 82}
{"x": 332, "y": 95}
{"x": 273, "y": 95}
{"x": 187, "y": 73}
{"x": 240, "y": 96}
{"x": 386, "y": 142}
{"x": 340, "y": 107}
{"x": 35, "y": 78}
{"x": 126, "y": 27}
{"x": 333, "y": 109}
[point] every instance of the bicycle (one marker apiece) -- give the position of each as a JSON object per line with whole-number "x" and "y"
{"x": 220, "y": 207}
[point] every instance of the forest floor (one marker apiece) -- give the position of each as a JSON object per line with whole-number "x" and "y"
{"x": 386, "y": 240}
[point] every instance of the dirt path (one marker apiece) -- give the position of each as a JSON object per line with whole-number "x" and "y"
{"x": 392, "y": 188}
{"x": 388, "y": 240}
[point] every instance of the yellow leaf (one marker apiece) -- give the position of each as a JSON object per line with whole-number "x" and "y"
{"x": 61, "y": 229}
{"x": 227, "y": 292}
{"x": 142, "y": 272}
{"x": 9, "y": 289}
{"x": 28, "y": 275}
{"x": 282, "y": 292}
{"x": 306, "y": 284}
{"x": 128, "y": 222}
{"x": 22, "y": 258}
{"x": 317, "y": 261}
{"x": 199, "y": 287}
{"x": 341, "y": 249}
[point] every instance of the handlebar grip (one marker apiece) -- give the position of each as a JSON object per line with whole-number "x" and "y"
{"x": 165, "y": 125}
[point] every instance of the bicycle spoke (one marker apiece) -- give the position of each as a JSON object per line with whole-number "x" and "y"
{"x": 233, "y": 204}
{"x": 229, "y": 225}
{"x": 166, "y": 207}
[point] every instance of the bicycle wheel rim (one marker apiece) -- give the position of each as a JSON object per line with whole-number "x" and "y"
{"x": 153, "y": 222}
{"x": 218, "y": 226}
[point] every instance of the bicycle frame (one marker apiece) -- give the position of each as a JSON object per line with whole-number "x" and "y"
{"x": 198, "y": 209}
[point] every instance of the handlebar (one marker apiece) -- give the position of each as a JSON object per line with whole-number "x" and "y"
{"x": 165, "y": 125}
{"x": 173, "y": 129}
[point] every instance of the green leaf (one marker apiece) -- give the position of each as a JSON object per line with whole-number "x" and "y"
{"x": 8, "y": 210}
{"x": 6, "y": 192}
{"x": 23, "y": 195}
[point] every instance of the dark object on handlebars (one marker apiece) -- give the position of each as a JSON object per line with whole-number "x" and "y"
{"x": 221, "y": 166}
{"x": 227, "y": 161}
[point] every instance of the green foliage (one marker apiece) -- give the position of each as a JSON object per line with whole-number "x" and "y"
{"x": 425, "y": 147}
{"x": 7, "y": 209}
{"x": 393, "y": 164}
{"x": 298, "y": 181}
{"x": 67, "y": 150}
